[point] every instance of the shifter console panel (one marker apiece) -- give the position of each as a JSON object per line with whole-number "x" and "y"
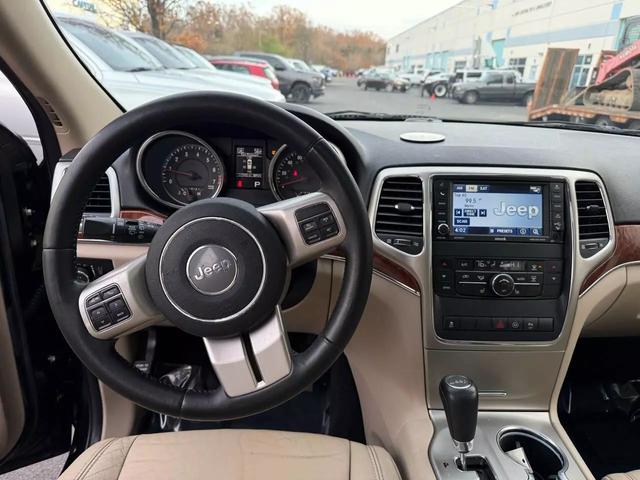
{"x": 500, "y": 256}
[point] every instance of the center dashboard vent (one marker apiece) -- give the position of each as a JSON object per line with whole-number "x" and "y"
{"x": 100, "y": 199}
{"x": 593, "y": 223}
{"x": 400, "y": 214}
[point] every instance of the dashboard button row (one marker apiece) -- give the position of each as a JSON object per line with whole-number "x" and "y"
{"x": 497, "y": 324}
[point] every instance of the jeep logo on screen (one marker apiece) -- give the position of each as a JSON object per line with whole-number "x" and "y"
{"x": 529, "y": 211}
{"x": 212, "y": 269}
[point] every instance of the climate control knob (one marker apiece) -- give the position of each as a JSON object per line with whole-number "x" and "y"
{"x": 443, "y": 229}
{"x": 502, "y": 284}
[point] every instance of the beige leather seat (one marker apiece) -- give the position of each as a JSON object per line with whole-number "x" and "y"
{"x": 232, "y": 455}
{"x": 635, "y": 475}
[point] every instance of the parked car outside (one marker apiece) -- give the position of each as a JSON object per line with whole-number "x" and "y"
{"x": 464, "y": 76}
{"x": 134, "y": 76}
{"x": 437, "y": 84}
{"x": 297, "y": 85}
{"x": 415, "y": 77}
{"x": 300, "y": 65}
{"x": 495, "y": 85}
{"x": 327, "y": 72}
{"x": 171, "y": 58}
{"x": 385, "y": 79}
{"x": 258, "y": 68}
{"x": 362, "y": 75}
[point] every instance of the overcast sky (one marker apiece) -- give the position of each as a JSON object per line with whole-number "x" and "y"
{"x": 384, "y": 17}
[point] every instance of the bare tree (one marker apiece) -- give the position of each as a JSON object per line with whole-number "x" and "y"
{"x": 158, "y": 17}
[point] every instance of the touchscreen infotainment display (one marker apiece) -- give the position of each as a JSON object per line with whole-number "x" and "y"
{"x": 509, "y": 209}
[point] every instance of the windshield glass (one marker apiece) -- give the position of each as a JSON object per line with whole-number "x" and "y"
{"x": 198, "y": 60}
{"x": 164, "y": 53}
{"x": 465, "y": 60}
{"x": 113, "y": 49}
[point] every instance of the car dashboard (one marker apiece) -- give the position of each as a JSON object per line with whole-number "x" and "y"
{"x": 494, "y": 250}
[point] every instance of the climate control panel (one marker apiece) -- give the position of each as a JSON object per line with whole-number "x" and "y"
{"x": 497, "y": 278}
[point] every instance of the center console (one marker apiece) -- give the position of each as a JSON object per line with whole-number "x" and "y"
{"x": 501, "y": 258}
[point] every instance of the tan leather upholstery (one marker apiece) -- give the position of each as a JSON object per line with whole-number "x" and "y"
{"x": 232, "y": 455}
{"x": 635, "y": 475}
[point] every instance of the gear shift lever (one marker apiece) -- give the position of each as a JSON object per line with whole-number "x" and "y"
{"x": 459, "y": 397}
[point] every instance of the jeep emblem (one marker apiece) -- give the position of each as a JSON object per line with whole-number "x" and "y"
{"x": 212, "y": 269}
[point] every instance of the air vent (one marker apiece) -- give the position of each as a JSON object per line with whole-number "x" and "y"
{"x": 592, "y": 219}
{"x": 51, "y": 113}
{"x": 399, "y": 219}
{"x": 100, "y": 198}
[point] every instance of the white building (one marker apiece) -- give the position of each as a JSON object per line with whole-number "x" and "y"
{"x": 516, "y": 34}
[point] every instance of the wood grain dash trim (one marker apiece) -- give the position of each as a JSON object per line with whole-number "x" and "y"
{"x": 627, "y": 250}
{"x": 144, "y": 215}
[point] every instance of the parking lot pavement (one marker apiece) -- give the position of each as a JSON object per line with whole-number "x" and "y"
{"x": 343, "y": 94}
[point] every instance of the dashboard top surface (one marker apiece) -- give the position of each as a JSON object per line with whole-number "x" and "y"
{"x": 613, "y": 157}
{"x": 371, "y": 146}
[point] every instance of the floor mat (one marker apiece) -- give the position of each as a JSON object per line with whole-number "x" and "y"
{"x": 46, "y": 470}
{"x": 608, "y": 444}
{"x": 605, "y": 436}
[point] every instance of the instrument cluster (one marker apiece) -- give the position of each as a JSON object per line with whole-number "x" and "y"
{"x": 177, "y": 168}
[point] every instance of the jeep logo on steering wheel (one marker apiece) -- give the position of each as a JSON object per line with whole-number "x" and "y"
{"x": 212, "y": 269}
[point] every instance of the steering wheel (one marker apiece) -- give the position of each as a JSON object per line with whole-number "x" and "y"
{"x": 217, "y": 268}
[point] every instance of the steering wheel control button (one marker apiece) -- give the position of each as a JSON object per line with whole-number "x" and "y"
{"x": 312, "y": 237}
{"x": 110, "y": 292}
{"x": 93, "y": 300}
{"x": 99, "y": 318}
{"x": 309, "y": 226}
{"x": 317, "y": 223}
{"x": 107, "y": 308}
{"x": 329, "y": 231}
{"x": 325, "y": 220}
{"x": 212, "y": 269}
{"x": 118, "y": 310}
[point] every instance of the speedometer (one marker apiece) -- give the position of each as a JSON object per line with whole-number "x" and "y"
{"x": 191, "y": 172}
{"x": 291, "y": 175}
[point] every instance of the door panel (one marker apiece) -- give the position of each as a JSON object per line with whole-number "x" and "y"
{"x": 11, "y": 401}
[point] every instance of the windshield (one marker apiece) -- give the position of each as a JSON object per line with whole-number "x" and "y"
{"x": 510, "y": 61}
{"x": 198, "y": 60}
{"x": 113, "y": 49}
{"x": 164, "y": 53}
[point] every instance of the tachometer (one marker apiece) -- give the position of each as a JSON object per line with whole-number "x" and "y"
{"x": 191, "y": 172}
{"x": 291, "y": 176}
{"x": 177, "y": 168}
